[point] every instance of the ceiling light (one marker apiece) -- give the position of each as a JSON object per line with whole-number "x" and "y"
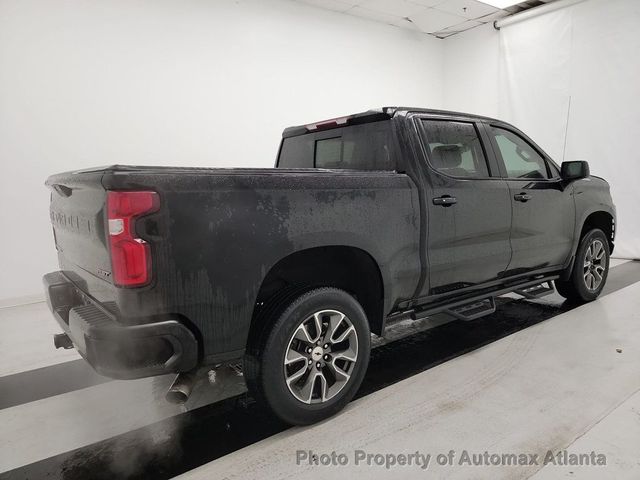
{"x": 500, "y": 3}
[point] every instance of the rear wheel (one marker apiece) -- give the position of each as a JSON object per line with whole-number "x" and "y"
{"x": 312, "y": 361}
{"x": 590, "y": 269}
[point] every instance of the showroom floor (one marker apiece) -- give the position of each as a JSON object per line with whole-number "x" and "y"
{"x": 571, "y": 377}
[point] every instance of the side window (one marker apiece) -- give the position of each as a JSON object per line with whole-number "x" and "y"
{"x": 520, "y": 159}
{"x": 455, "y": 149}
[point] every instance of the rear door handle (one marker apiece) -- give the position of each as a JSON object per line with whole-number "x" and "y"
{"x": 445, "y": 200}
{"x": 522, "y": 197}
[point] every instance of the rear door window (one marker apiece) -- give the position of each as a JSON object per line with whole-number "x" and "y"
{"x": 454, "y": 149}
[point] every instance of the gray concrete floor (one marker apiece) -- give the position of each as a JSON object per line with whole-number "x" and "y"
{"x": 559, "y": 385}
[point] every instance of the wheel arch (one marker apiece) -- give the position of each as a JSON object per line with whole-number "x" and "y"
{"x": 346, "y": 267}
{"x": 602, "y": 220}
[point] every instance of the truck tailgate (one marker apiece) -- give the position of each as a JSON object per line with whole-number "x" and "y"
{"x": 77, "y": 214}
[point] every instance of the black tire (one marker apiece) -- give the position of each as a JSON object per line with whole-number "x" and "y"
{"x": 265, "y": 370}
{"x": 576, "y": 288}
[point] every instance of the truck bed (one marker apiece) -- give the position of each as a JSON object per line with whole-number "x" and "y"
{"x": 219, "y": 232}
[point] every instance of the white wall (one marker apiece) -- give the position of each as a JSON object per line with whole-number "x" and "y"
{"x": 579, "y": 64}
{"x": 172, "y": 82}
{"x": 194, "y": 83}
{"x": 471, "y": 71}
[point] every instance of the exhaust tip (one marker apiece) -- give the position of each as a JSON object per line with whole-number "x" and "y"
{"x": 180, "y": 390}
{"x": 62, "y": 340}
{"x": 176, "y": 397}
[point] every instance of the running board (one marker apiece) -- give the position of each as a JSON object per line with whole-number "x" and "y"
{"x": 421, "y": 312}
{"x": 536, "y": 291}
{"x": 472, "y": 310}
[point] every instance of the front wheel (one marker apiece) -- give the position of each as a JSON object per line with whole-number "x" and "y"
{"x": 312, "y": 361}
{"x": 590, "y": 269}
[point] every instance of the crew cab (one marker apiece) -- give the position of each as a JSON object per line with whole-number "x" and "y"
{"x": 365, "y": 219}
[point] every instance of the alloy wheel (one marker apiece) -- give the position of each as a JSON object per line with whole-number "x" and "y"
{"x": 321, "y": 356}
{"x": 595, "y": 262}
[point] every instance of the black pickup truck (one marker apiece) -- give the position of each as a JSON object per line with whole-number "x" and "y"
{"x": 365, "y": 219}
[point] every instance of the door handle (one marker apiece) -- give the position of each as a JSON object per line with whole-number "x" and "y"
{"x": 522, "y": 197}
{"x": 445, "y": 200}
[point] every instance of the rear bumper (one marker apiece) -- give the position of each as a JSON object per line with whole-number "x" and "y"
{"x": 113, "y": 349}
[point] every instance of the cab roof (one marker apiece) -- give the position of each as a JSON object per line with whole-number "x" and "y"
{"x": 374, "y": 115}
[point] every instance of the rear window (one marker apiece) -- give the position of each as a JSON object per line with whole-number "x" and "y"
{"x": 357, "y": 147}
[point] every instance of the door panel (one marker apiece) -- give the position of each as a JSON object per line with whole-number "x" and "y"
{"x": 468, "y": 242}
{"x": 468, "y": 209}
{"x": 543, "y": 207}
{"x": 542, "y": 225}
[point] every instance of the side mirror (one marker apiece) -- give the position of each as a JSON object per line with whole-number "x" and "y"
{"x": 574, "y": 170}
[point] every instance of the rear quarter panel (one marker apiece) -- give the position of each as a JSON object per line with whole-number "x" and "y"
{"x": 218, "y": 234}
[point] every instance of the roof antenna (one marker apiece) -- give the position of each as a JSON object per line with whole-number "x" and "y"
{"x": 566, "y": 129}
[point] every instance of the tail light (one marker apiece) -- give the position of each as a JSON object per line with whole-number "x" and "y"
{"x": 130, "y": 256}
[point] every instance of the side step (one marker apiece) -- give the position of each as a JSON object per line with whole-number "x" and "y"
{"x": 536, "y": 291}
{"x": 472, "y": 310}
{"x": 474, "y": 306}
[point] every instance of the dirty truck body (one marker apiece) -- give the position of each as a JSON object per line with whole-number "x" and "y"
{"x": 407, "y": 211}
